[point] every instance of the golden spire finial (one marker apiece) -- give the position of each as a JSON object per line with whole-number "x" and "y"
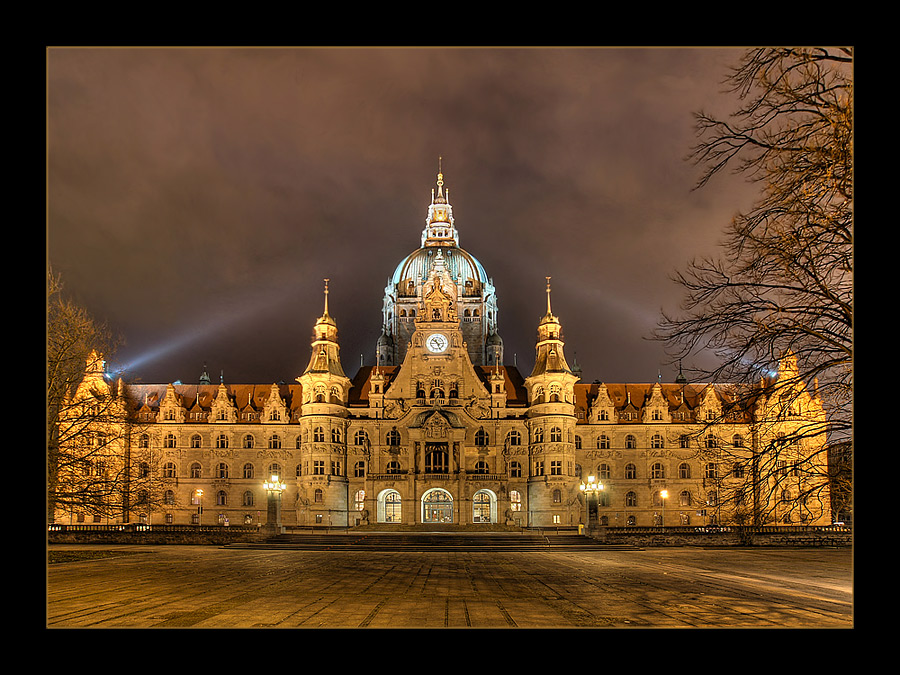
{"x": 549, "y": 313}
{"x": 326, "y": 297}
{"x": 440, "y": 177}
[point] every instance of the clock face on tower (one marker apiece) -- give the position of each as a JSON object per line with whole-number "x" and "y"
{"x": 436, "y": 342}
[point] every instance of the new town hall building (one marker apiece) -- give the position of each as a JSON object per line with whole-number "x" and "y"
{"x": 442, "y": 431}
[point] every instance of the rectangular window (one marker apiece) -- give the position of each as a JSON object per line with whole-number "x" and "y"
{"x": 318, "y": 468}
{"x": 538, "y": 468}
{"x": 556, "y": 468}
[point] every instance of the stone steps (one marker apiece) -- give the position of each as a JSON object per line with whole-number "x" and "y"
{"x": 424, "y": 541}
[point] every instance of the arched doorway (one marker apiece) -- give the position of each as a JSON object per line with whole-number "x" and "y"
{"x": 437, "y": 506}
{"x": 388, "y": 508}
{"x": 484, "y": 507}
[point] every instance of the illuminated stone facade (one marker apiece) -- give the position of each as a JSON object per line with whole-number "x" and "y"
{"x": 441, "y": 431}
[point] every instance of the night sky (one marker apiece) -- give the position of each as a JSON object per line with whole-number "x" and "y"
{"x": 198, "y": 197}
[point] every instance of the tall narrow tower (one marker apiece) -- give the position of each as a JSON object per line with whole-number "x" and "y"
{"x": 551, "y": 426}
{"x": 322, "y": 480}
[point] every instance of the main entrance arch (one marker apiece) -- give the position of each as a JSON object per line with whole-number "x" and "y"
{"x": 437, "y": 506}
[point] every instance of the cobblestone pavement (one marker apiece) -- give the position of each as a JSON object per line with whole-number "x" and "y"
{"x": 208, "y": 587}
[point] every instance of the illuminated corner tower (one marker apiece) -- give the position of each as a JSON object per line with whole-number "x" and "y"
{"x": 476, "y": 300}
{"x": 552, "y": 483}
{"x": 322, "y": 479}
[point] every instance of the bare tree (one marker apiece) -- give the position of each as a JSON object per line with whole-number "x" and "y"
{"x": 783, "y": 286}
{"x": 92, "y": 468}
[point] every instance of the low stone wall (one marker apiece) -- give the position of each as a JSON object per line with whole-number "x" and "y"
{"x": 725, "y": 536}
{"x": 156, "y": 535}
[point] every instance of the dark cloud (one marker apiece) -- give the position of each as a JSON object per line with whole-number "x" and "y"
{"x": 198, "y": 197}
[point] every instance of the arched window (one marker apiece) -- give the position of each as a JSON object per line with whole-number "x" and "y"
{"x": 169, "y": 441}
{"x": 221, "y": 498}
{"x": 631, "y": 499}
{"x": 144, "y": 441}
{"x": 657, "y": 441}
{"x": 482, "y": 507}
{"x": 359, "y": 469}
{"x": 195, "y": 441}
{"x": 248, "y": 470}
{"x": 737, "y": 441}
{"x": 318, "y": 496}
{"x": 336, "y": 435}
{"x": 392, "y": 467}
{"x": 603, "y": 442}
{"x": 684, "y": 470}
{"x": 684, "y": 441}
{"x": 538, "y": 435}
{"x": 513, "y": 438}
{"x": 247, "y": 498}
{"x": 274, "y": 442}
{"x": 169, "y": 470}
{"x": 221, "y": 441}
{"x": 630, "y": 442}
{"x": 169, "y": 498}
{"x": 195, "y": 470}
{"x": 556, "y": 496}
{"x": 711, "y": 441}
{"x": 710, "y": 470}
{"x": 389, "y": 504}
{"x": 318, "y": 435}
{"x": 361, "y": 438}
{"x": 248, "y": 441}
{"x": 221, "y": 470}
{"x": 481, "y": 438}
{"x": 603, "y": 471}
{"x": 684, "y": 498}
{"x": 393, "y": 438}
{"x": 515, "y": 469}
{"x": 481, "y": 466}
{"x": 274, "y": 469}
{"x": 630, "y": 471}
{"x": 555, "y": 435}
{"x": 657, "y": 471}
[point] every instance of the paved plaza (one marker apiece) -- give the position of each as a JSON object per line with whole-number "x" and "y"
{"x": 212, "y": 587}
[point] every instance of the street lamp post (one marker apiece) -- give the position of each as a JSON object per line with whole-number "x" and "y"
{"x": 663, "y": 495}
{"x": 199, "y": 507}
{"x": 274, "y": 488}
{"x": 591, "y": 491}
